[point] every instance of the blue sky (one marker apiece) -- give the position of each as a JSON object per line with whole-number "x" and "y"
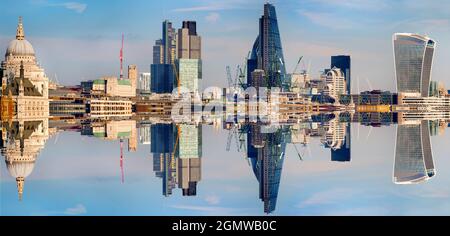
{"x": 80, "y": 39}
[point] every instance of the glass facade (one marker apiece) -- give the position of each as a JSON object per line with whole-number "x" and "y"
{"x": 413, "y": 155}
{"x": 162, "y": 78}
{"x": 189, "y": 73}
{"x": 267, "y": 52}
{"x": 413, "y": 63}
{"x": 266, "y": 152}
{"x": 190, "y": 141}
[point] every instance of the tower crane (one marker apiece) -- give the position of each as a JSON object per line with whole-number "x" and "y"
{"x": 298, "y": 63}
{"x": 121, "y": 59}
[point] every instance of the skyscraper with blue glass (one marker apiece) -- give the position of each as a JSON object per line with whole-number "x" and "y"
{"x": 267, "y": 52}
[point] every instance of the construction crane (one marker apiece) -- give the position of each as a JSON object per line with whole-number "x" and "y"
{"x": 298, "y": 63}
{"x": 177, "y": 79}
{"x": 121, "y": 139}
{"x": 229, "y": 77}
{"x": 121, "y": 59}
{"x": 243, "y": 72}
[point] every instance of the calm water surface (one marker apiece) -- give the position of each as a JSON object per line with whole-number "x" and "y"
{"x": 78, "y": 171}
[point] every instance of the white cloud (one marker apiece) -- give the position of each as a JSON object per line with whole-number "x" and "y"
{"x": 212, "y": 199}
{"x": 77, "y": 210}
{"x": 212, "y": 17}
{"x": 74, "y": 6}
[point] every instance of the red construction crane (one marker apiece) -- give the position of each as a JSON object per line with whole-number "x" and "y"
{"x": 121, "y": 160}
{"x": 121, "y": 59}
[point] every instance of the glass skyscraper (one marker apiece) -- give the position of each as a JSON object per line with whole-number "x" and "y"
{"x": 413, "y": 63}
{"x": 162, "y": 78}
{"x": 413, "y": 155}
{"x": 266, "y": 151}
{"x": 267, "y": 52}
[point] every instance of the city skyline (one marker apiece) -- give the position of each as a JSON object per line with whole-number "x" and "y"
{"x": 303, "y": 34}
{"x": 300, "y": 138}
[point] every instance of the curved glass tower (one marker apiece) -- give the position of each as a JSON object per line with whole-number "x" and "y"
{"x": 413, "y": 155}
{"x": 267, "y": 52}
{"x": 413, "y": 63}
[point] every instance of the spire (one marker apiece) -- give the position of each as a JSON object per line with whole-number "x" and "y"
{"x": 20, "y": 34}
{"x": 20, "y": 182}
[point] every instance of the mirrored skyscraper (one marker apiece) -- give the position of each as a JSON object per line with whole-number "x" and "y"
{"x": 413, "y": 156}
{"x": 413, "y": 63}
{"x": 266, "y": 150}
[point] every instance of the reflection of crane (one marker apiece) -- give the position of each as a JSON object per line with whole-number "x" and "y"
{"x": 239, "y": 135}
{"x": 177, "y": 140}
{"x": 233, "y": 83}
{"x": 298, "y": 153}
{"x": 121, "y": 160}
{"x": 233, "y": 133}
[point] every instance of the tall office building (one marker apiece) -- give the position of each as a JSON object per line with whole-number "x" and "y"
{"x": 266, "y": 151}
{"x": 133, "y": 75}
{"x": 189, "y": 73}
{"x": 158, "y": 52}
{"x": 413, "y": 155}
{"x": 343, "y": 154}
{"x": 144, "y": 83}
{"x": 162, "y": 78}
{"x": 164, "y": 163}
{"x": 145, "y": 134}
{"x": 164, "y": 55}
{"x": 343, "y": 62}
{"x": 334, "y": 83}
{"x": 267, "y": 52}
{"x": 413, "y": 63}
{"x": 188, "y": 63}
{"x": 188, "y": 42}
{"x": 169, "y": 43}
{"x": 189, "y": 153}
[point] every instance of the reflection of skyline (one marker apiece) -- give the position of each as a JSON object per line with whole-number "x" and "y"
{"x": 266, "y": 151}
{"x": 177, "y": 151}
{"x": 178, "y": 163}
{"x": 177, "y": 147}
{"x": 22, "y": 141}
{"x": 413, "y": 155}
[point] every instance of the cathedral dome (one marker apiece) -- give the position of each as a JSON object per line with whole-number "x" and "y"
{"x": 20, "y": 46}
{"x": 20, "y": 169}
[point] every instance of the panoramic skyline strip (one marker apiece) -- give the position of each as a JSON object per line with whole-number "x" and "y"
{"x": 334, "y": 108}
{"x": 311, "y": 28}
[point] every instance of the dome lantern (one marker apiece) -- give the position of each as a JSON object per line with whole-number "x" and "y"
{"x": 20, "y": 35}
